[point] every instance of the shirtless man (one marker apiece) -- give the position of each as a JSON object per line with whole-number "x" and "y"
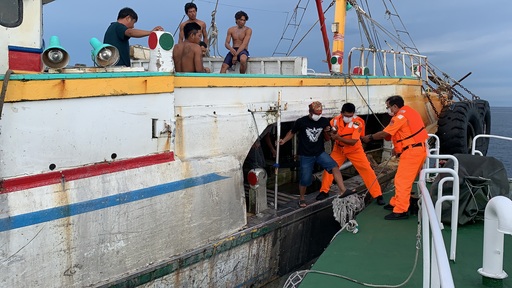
{"x": 191, "y": 11}
{"x": 187, "y": 55}
{"x": 241, "y": 36}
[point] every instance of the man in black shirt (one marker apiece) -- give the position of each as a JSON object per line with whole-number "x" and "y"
{"x": 311, "y": 131}
{"x": 118, "y": 34}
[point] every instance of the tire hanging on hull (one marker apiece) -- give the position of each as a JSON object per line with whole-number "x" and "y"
{"x": 485, "y": 116}
{"x": 458, "y": 124}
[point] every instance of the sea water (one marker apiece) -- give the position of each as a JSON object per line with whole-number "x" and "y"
{"x": 501, "y": 125}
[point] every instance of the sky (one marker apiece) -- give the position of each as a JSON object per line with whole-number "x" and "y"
{"x": 458, "y": 36}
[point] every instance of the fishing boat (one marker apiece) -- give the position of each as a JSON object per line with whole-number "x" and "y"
{"x": 115, "y": 176}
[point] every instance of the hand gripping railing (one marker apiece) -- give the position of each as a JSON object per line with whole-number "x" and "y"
{"x": 441, "y": 273}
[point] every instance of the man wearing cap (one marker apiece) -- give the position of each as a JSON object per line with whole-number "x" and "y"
{"x": 312, "y": 132}
{"x": 408, "y": 133}
{"x": 346, "y": 133}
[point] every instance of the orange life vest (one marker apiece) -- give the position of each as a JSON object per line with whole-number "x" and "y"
{"x": 346, "y": 130}
{"x": 416, "y": 126}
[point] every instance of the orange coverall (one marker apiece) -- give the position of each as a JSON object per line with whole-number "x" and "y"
{"x": 407, "y": 129}
{"x": 340, "y": 152}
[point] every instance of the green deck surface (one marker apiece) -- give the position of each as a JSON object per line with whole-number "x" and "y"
{"x": 383, "y": 253}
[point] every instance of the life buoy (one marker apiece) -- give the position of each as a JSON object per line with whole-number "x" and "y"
{"x": 458, "y": 124}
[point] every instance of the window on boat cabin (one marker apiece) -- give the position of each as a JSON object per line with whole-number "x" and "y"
{"x": 11, "y": 13}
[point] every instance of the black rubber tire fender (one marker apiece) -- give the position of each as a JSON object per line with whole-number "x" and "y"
{"x": 484, "y": 112}
{"x": 458, "y": 124}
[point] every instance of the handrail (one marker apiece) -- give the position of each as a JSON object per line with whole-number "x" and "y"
{"x": 421, "y": 61}
{"x": 454, "y": 198}
{"x": 441, "y": 272}
{"x": 440, "y": 198}
{"x": 473, "y": 149}
{"x": 432, "y": 151}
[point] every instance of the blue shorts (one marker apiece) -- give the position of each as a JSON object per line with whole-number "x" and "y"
{"x": 307, "y": 163}
{"x": 229, "y": 58}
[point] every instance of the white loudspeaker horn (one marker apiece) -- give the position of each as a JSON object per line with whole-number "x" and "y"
{"x": 103, "y": 55}
{"x": 55, "y": 56}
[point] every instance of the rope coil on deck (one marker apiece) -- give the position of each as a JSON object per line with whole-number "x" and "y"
{"x": 345, "y": 209}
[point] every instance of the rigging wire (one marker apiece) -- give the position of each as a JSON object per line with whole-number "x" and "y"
{"x": 413, "y": 46}
{"x": 312, "y": 26}
{"x": 372, "y": 38}
{"x": 295, "y": 26}
{"x": 400, "y": 29}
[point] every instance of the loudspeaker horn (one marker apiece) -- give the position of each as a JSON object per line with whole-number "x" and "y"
{"x": 103, "y": 55}
{"x": 55, "y": 56}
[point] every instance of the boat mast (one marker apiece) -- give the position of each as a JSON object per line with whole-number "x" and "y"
{"x": 338, "y": 28}
{"x": 321, "y": 18}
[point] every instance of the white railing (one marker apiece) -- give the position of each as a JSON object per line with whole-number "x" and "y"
{"x": 454, "y": 198}
{"x": 441, "y": 273}
{"x": 436, "y": 269}
{"x": 498, "y": 219}
{"x": 473, "y": 149}
{"x": 432, "y": 151}
{"x": 411, "y": 64}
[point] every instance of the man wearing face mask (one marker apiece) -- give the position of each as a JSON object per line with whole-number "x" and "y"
{"x": 408, "y": 133}
{"x": 346, "y": 133}
{"x": 312, "y": 132}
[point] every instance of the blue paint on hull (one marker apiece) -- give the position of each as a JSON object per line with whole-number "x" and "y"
{"x": 37, "y": 217}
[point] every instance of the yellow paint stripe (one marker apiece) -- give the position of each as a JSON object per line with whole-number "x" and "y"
{"x": 203, "y": 82}
{"x": 30, "y": 90}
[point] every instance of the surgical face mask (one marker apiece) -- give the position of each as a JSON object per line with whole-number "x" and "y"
{"x": 347, "y": 119}
{"x": 316, "y": 117}
{"x": 389, "y": 112}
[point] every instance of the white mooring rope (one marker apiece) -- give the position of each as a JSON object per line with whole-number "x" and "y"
{"x": 345, "y": 209}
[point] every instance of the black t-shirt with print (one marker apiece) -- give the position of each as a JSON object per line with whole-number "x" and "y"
{"x": 311, "y": 136}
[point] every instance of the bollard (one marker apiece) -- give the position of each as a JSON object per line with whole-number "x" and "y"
{"x": 257, "y": 190}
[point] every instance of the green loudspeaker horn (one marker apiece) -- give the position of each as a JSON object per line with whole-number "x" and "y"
{"x": 103, "y": 55}
{"x": 55, "y": 56}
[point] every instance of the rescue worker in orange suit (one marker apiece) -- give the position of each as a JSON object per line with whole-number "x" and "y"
{"x": 347, "y": 128}
{"x": 408, "y": 133}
